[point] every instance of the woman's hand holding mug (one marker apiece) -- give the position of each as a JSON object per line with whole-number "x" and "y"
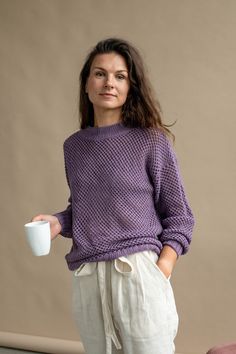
{"x": 55, "y": 226}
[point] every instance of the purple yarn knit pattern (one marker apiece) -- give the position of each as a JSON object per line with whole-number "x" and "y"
{"x": 126, "y": 194}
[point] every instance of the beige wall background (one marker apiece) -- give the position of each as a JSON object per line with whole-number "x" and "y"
{"x": 190, "y": 51}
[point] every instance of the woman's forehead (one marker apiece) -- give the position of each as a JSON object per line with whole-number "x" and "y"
{"x": 111, "y": 60}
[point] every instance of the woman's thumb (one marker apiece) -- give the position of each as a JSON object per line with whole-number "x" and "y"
{"x": 38, "y": 218}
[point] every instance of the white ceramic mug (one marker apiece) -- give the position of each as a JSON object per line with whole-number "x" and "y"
{"x": 39, "y": 237}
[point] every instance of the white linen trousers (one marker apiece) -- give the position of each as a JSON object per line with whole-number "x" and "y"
{"x": 125, "y": 306}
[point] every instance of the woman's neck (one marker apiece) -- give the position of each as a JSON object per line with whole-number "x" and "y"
{"x": 106, "y": 118}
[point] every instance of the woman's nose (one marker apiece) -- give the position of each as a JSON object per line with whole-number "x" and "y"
{"x": 109, "y": 83}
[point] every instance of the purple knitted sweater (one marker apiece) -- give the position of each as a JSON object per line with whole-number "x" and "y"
{"x": 126, "y": 194}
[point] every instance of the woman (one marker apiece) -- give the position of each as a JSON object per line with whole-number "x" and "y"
{"x": 128, "y": 215}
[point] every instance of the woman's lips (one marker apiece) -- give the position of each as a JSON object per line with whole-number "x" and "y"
{"x": 107, "y": 95}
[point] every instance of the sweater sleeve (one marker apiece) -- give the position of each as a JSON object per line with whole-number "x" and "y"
{"x": 170, "y": 199}
{"x": 65, "y": 216}
{"x": 65, "y": 219}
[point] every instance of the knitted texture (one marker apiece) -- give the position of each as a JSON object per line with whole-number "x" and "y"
{"x": 126, "y": 194}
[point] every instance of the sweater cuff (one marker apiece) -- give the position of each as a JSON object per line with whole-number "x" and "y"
{"x": 64, "y": 219}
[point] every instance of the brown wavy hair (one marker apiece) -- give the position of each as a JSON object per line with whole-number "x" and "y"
{"x": 141, "y": 108}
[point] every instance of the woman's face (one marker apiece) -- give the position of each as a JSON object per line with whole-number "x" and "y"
{"x": 108, "y": 82}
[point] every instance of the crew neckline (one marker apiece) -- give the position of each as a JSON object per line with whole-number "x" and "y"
{"x": 105, "y": 131}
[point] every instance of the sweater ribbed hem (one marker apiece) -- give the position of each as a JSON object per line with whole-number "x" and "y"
{"x": 113, "y": 255}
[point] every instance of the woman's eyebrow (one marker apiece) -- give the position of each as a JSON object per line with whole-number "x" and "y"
{"x": 100, "y": 68}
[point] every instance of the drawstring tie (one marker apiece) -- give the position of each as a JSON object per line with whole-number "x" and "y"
{"x": 108, "y": 322}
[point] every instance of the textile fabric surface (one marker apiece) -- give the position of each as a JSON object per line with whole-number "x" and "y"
{"x": 125, "y": 306}
{"x": 126, "y": 196}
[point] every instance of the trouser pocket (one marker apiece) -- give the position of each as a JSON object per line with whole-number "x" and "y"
{"x": 152, "y": 258}
{"x": 143, "y": 301}
{"x": 85, "y": 269}
{"x": 85, "y": 287}
{"x": 163, "y": 289}
{"x": 87, "y": 309}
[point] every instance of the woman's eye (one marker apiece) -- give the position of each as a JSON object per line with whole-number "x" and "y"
{"x": 120, "y": 77}
{"x": 99, "y": 73}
